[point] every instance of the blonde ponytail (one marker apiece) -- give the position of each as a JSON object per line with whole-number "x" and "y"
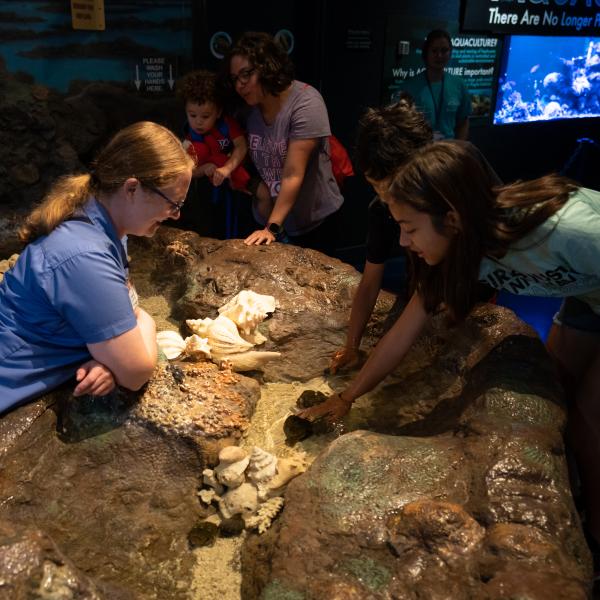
{"x": 67, "y": 195}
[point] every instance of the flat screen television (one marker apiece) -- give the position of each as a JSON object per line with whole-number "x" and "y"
{"x": 547, "y": 78}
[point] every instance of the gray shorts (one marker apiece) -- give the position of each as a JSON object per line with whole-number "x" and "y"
{"x": 577, "y": 314}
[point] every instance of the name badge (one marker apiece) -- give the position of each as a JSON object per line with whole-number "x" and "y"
{"x": 133, "y": 297}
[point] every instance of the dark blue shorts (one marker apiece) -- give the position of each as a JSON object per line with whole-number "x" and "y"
{"x": 577, "y": 314}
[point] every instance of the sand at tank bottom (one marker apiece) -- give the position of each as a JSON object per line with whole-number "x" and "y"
{"x": 217, "y": 574}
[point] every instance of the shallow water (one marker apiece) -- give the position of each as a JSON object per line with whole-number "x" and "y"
{"x": 217, "y": 574}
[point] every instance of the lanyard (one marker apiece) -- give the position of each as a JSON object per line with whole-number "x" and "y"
{"x": 437, "y": 107}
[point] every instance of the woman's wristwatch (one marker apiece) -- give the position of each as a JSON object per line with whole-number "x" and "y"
{"x": 275, "y": 228}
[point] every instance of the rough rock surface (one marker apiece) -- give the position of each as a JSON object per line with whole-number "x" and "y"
{"x": 113, "y": 481}
{"x": 33, "y": 567}
{"x": 44, "y": 134}
{"x": 454, "y": 484}
{"x": 313, "y": 293}
{"x": 463, "y": 491}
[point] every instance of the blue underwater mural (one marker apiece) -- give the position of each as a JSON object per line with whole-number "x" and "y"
{"x": 147, "y": 44}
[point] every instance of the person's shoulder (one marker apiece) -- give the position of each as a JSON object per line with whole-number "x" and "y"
{"x": 583, "y": 207}
{"x": 588, "y": 196}
{"x": 304, "y": 93}
{"x": 73, "y": 238}
{"x": 414, "y": 85}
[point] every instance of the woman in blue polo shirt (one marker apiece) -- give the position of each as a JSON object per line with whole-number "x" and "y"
{"x": 66, "y": 307}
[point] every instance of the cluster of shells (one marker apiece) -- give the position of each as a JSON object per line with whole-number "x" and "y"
{"x": 7, "y": 264}
{"x": 250, "y": 486}
{"x": 229, "y": 338}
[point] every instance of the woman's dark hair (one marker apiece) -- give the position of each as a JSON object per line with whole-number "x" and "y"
{"x": 433, "y": 35}
{"x": 387, "y": 137}
{"x": 446, "y": 176}
{"x": 274, "y": 67}
{"x": 199, "y": 87}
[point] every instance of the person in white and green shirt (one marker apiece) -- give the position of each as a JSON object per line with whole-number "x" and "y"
{"x": 539, "y": 237}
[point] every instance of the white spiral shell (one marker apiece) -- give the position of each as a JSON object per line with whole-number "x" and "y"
{"x": 247, "y": 309}
{"x": 222, "y": 334}
{"x": 262, "y": 466}
{"x": 254, "y": 337}
{"x": 171, "y": 343}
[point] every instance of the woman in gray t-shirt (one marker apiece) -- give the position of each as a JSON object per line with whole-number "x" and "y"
{"x": 288, "y": 139}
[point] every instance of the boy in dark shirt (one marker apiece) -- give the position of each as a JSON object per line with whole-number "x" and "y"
{"x": 386, "y": 139}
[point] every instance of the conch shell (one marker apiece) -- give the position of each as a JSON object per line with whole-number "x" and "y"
{"x": 247, "y": 309}
{"x": 222, "y": 334}
{"x": 249, "y": 361}
{"x": 287, "y": 469}
{"x": 171, "y": 343}
{"x": 197, "y": 346}
{"x": 262, "y": 466}
{"x": 254, "y": 337}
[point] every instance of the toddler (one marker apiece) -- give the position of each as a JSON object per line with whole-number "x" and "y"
{"x": 216, "y": 141}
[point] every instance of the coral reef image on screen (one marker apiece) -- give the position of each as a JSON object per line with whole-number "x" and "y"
{"x": 546, "y": 78}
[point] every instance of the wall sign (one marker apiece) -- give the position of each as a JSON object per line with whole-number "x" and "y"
{"x": 358, "y": 39}
{"x": 154, "y": 75}
{"x": 88, "y": 14}
{"x": 536, "y": 17}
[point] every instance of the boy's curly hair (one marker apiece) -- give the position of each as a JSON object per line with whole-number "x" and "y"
{"x": 199, "y": 87}
{"x": 388, "y": 136}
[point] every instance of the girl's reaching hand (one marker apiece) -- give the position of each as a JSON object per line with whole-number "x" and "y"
{"x": 332, "y": 410}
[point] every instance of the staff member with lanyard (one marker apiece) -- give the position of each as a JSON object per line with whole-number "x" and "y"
{"x": 443, "y": 98}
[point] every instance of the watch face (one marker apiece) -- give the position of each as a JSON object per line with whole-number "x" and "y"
{"x": 275, "y": 229}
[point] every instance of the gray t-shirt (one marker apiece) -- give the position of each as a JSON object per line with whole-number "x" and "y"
{"x": 560, "y": 258}
{"x": 303, "y": 116}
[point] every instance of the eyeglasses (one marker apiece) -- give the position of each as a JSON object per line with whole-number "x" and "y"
{"x": 175, "y": 206}
{"x": 243, "y": 76}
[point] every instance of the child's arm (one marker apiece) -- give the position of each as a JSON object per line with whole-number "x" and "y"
{"x": 200, "y": 152}
{"x": 205, "y": 170}
{"x": 240, "y": 149}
